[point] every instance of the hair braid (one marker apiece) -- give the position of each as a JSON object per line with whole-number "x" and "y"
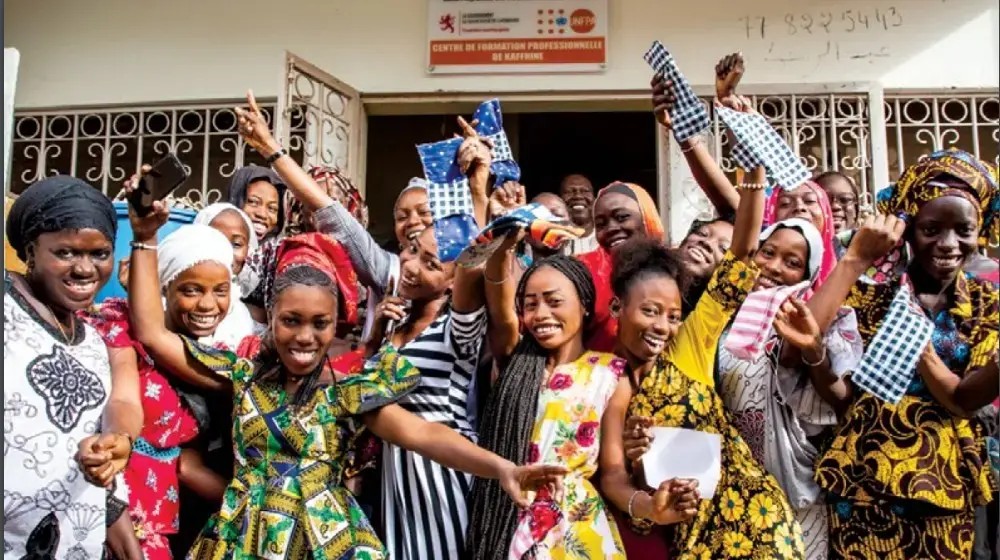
{"x": 509, "y": 420}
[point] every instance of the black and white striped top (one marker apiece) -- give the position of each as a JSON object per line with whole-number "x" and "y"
{"x": 424, "y": 503}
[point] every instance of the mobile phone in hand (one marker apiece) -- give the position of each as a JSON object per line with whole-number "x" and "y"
{"x": 163, "y": 179}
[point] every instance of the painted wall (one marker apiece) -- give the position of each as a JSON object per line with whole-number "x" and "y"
{"x": 128, "y": 51}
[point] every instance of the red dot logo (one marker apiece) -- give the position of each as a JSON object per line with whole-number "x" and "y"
{"x": 582, "y": 21}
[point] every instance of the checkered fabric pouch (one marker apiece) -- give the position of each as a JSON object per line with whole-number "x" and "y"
{"x": 890, "y": 361}
{"x": 754, "y": 133}
{"x": 689, "y": 116}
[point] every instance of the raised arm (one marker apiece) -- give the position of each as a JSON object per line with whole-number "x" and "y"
{"x": 372, "y": 263}
{"x": 749, "y": 217}
{"x": 501, "y": 291}
{"x": 146, "y": 306}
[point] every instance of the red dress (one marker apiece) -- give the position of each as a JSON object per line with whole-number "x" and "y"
{"x": 602, "y": 334}
{"x": 151, "y": 474}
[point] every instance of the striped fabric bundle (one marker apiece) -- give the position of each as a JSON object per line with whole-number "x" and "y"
{"x": 753, "y": 322}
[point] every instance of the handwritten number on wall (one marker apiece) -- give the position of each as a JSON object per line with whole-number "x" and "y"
{"x": 825, "y": 19}
{"x": 848, "y": 18}
{"x": 849, "y": 21}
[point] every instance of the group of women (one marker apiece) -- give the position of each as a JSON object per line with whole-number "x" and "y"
{"x": 277, "y": 385}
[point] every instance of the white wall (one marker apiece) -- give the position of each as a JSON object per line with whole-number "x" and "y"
{"x": 132, "y": 51}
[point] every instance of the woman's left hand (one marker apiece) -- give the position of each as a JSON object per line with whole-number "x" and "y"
{"x": 476, "y": 153}
{"x": 506, "y": 198}
{"x": 521, "y": 483}
{"x": 144, "y": 228}
{"x": 796, "y": 324}
{"x": 102, "y": 456}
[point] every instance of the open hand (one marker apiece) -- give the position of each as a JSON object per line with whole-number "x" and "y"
{"x": 102, "y": 456}
{"x": 797, "y": 326}
{"x": 637, "y": 438}
{"x": 144, "y": 228}
{"x": 663, "y": 99}
{"x": 876, "y": 237}
{"x": 253, "y": 127}
{"x": 522, "y": 483}
{"x": 728, "y": 73}
{"x": 476, "y": 152}
{"x": 505, "y": 198}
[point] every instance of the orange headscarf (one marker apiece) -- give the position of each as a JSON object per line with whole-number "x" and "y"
{"x": 650, "y": 215}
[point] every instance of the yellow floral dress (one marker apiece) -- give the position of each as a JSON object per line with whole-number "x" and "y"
{"x": 287, "y": 500}
{"x": 567, "y": 432}
{"x": 749, "y": 516}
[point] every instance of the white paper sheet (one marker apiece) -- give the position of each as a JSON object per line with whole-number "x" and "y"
{"x": 682, "y": 453}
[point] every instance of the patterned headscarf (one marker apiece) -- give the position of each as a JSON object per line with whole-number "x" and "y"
{"x": 917, "y": 186}
{"x": 826, "y": 231}
{"x": 650, "y": 216}
{"x": 338, "y": 186}
{"x": 329, "y": 257}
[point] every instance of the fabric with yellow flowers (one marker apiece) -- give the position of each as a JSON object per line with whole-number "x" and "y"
{"x": 908, "y": 476}
{"x": 286, "y": 500}
{"x": 567, "y": 432}
{"x": 749, "y": 517}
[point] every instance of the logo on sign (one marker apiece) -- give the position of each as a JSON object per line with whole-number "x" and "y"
{"x": 447, "y": 23}
{"x": 582, "y": 21}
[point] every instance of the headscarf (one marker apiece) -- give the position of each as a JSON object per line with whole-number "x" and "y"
{"x": 240, "y": 183}
{"x": 329, "y": 257}
{"x": 917, "y": 186}
{"x": 247, "y": 279}
{"x": 338, "y": 186}
{"x": 814, "y": 241}
{"x": 650, "y": 215}
{"x": 826, "y": 232}
{"x": 604, "y": 334}
{"x": 188, "y": 246}
{"x": 56, "y": 204}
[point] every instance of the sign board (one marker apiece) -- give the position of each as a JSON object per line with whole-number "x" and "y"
{"x": 517, "y": 36}
{"x": 11, "y": 58}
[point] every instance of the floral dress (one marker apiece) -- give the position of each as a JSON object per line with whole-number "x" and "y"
{"x": 567, "y": 432}
{"x": 151, "y": 474}
{"x": 749, "y": 516}
{"x": 286, "y": 500}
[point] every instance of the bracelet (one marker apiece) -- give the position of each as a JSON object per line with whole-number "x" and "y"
{"x": 275, "y": 156}
{"x": 822, "y": 358}
{"x": 631, "y": 502}
{"x": 752, "y": 186}
{"x": 131, "y": 445}
{"x": 142, "y": 246}
{"x": 695, "y": 142}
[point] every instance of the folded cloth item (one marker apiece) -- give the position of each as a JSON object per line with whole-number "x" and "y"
{"x": 542, "y": 225}
{"x": 888, "y": 267}
{"x": 890, "y": 361}
{"x": 759, "y": 144}
{"x": 755, "y": 319}
{"x": 689, "y": 116}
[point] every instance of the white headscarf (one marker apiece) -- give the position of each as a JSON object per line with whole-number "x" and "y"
{"x": 813, "y": 240}
{"x": 247, "y": 277}
{"x": 194, "y": 244}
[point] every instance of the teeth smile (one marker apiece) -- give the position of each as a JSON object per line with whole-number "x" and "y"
{"x": 546, "y": 329}
{"x": 302, "y": 356}
{"x": 653, "y": 342}
{"x": 81, "y": 286}
{"x": 203, "y": 321}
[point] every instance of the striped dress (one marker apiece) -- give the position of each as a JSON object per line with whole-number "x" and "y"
{"x": 424, "y": 503}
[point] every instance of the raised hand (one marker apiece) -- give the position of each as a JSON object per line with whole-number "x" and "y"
{"x": 728, "y": 73}
{"x": 876, "y": 237}
{"x": 505, "y": 198}
{"x": 144, "y": 228}
{"x": 663, "y": 99}
{"x": 476, "y": 153}
{"x": 797, "y": 326}
{"x": 522, "y": 483}
{"x": 253, "y": 128}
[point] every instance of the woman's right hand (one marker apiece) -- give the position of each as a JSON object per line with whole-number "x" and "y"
{"x": 675, "y": 501}
{"x": 121, "y": 539}
{"x": 253, "y": 128}
{"x": 636, "y": 439}
{"x": 506, "y": 198}
{"x": 391, "y": 308}
{"x": 728, "y": 73}
{"x": 144, "y": 229}
{"x": 663, "y": 99}
{"x": 876, "y": 237}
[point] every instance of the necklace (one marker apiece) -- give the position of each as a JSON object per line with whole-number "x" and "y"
{"x": 68, "y": 337}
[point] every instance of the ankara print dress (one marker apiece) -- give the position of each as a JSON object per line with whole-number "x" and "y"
{"x": 53, "y": 397}
{"x": 749, "y": 516}
{"x": 287, "y": 500}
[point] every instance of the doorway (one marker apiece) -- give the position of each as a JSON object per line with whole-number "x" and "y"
{"x": 603, "y": 146}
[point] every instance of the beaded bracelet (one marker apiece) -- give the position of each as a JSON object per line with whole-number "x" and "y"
{"x": 752, "y": 186}
{"x": 631, "y": 502}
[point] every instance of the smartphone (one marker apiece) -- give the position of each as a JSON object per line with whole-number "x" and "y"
{"x": 168, "y": 174}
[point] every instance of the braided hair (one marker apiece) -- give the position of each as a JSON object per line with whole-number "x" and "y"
{"x": 267, "y": 364}
{"x": 509, "y": 419}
